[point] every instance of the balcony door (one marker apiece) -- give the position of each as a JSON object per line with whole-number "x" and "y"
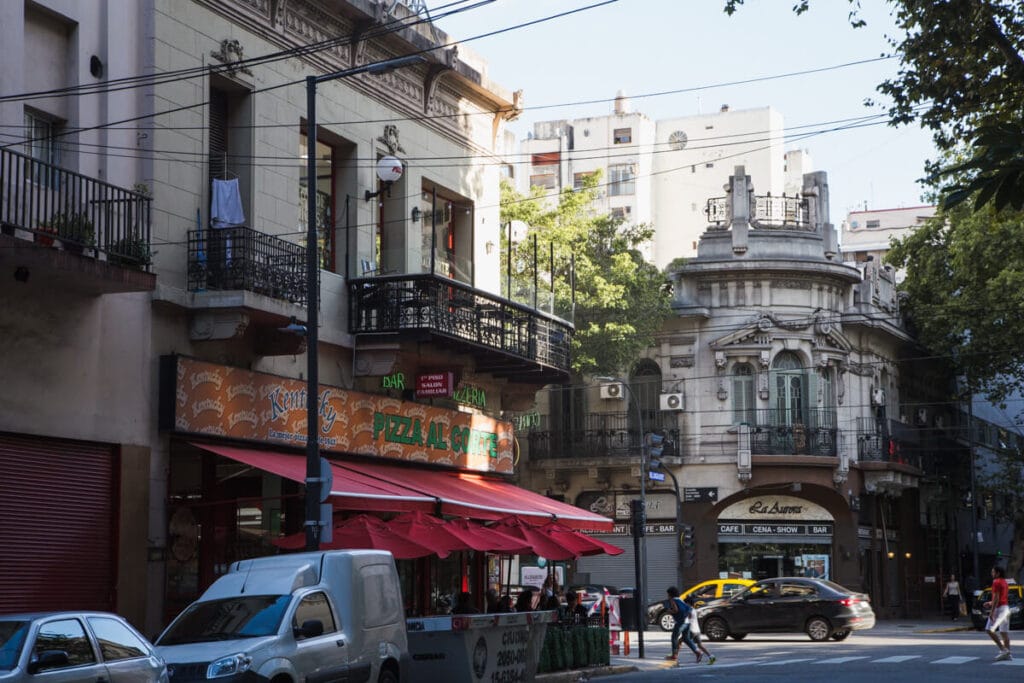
{"x": 789, "y": 384}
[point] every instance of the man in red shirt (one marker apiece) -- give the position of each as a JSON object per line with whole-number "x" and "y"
{"x": 999, "y": 617}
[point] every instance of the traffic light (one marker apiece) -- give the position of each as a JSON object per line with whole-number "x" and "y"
{"x": 638, "y": 517}
{"x": 655, "y": 445}
{"x": 689, "y": 543}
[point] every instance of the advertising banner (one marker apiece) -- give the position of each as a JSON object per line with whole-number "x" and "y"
{"x": 204, "y": 398}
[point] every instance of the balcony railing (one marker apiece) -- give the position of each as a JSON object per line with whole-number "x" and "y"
{"x": 53, "y": 206}
{"x": 602, "y": 435}
{"x": 776, "y": 432}
{"x": 243, "y": 259}
{"x": 777, "y": 213}
{"x": 429, "y": 303}
{"x": 888, "y": 441}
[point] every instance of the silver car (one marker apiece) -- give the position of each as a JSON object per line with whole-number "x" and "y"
{"x": 60, "y": 647}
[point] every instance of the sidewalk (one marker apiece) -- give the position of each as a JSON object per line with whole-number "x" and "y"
{"x": 657, "y": 644}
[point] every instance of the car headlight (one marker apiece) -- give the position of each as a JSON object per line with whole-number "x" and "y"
{"x": 229, "y": 666}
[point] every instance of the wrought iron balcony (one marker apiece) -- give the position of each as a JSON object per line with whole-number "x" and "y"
{"x": 888, "y": 441}
{"x": 508, "y": 339}
{"x": 778, "y": 432}
{"x": 603, "y": 435}
{"x": 243, "y": 259}
{"x": 55, "y": 207}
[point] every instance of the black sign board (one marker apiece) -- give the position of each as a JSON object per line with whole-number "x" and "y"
{"x": 774, "y": 529}
{"x": 700, "y": 494}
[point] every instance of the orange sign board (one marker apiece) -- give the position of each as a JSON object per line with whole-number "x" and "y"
{"x": 205, "y": 398}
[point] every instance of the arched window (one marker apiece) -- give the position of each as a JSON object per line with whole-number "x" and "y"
{"x": 645, "y": 383}
{"x": 789, "y": 389}
{"x": 743, "y": 394}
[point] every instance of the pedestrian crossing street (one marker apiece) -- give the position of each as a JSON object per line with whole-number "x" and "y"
{"x": 764, "y": 661}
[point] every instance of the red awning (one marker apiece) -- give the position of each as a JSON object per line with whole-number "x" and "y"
{"x": 350, "y": 490}
{"x": 386, "y": 487}
{"x": 480, "y": 497}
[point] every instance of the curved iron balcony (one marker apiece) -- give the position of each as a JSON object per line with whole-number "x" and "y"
{"x": 508, "y": 339}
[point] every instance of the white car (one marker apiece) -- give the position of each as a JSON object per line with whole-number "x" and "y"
{"x": 61, "y": 647}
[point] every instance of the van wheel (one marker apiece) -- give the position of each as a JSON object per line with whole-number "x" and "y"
{"x": 840, "y": 635}
{"x": 387, "y": 676}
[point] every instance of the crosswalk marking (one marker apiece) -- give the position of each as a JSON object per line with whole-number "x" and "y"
{"x": 954, "y": 660}
{"x": 896, "y": 660}
{"x": 839, "y": 660}
{"x": 783, "y": 662}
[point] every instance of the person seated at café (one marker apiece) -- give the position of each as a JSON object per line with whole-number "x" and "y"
{"x": 574, "y": 612}
{"x": 464, "y": 604}
{"x": 505, "y": 604}
{"x": 525, "y": 601}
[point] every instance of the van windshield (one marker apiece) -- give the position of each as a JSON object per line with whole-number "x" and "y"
{"x": 249, "y": 616}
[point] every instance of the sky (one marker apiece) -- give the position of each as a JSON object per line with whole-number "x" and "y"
{"x": 644, "y": 47}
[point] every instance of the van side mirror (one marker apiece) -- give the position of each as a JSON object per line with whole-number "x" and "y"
{"x": 309, "y": 629}
{"x": 49, "y": 659}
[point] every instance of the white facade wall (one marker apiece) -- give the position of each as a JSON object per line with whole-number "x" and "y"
{"x": 686, "y": 178}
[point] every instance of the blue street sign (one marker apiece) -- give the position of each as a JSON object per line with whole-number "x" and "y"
{"x": 656, "y": 476}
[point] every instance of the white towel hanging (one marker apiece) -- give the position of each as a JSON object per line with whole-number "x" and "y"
{"x": 226, "y": 204}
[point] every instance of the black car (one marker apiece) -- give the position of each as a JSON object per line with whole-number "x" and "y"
{"x": 979, "y": 615}
{"x": 817, "y": 607}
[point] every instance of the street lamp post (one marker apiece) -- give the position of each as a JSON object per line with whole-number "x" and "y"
{"x": 639, "y": 539}
{"x": 314, "y": 477}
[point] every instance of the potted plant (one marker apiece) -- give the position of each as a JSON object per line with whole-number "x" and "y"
{"x": 75, "y": 230}
{"x": 131, "y": 251}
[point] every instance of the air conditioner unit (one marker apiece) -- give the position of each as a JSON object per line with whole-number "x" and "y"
{"x": 878, "y": 397}
{"x": 613, "y": 390}
{"x": 671, "y": 401}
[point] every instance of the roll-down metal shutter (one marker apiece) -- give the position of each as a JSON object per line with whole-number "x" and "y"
{"x": 620, "y": 571}
{"x": 57, "y": 524}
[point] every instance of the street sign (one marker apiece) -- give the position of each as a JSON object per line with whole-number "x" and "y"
{"x": 656, "y": 476}
{"x": 700, "y": 494}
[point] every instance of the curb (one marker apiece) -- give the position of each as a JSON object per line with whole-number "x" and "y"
{"x": 951, "y": 629}
{"x": 574, "y": 675}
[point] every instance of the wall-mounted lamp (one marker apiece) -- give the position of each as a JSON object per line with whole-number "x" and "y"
{"x": 891, "y": 554}
{"x": 389, "y": 169}
{"x": 489, "y": 247}
{"x": 416, "y": 213}
{"x": 907, "y": 555}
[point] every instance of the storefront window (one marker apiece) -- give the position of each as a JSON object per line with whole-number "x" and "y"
{"x": 769, "y": 560}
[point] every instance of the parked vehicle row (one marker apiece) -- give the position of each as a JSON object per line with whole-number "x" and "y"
{"x": 697, "y": 595}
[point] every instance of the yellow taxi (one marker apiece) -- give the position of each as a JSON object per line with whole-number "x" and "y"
{"x": 697, "y": 596}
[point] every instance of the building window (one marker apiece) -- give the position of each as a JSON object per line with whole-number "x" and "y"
{"x": 873, "y": 224}
{"x": 447, "y": 233}
{"x": 709, "y": 164}
{"x": 621, "y": 180}
{"x": 546, "y": 180}
{"x": 508, "y": 171}
{"x": 622, "y": 136}
{"x": 324, "y": 200}
{"x": 790, "y": 390}
{"x": 43, "y": 146}
{"x": 743, "y": 394}
{"x": 579, "y": 178}
{"x": 621, "y": 212}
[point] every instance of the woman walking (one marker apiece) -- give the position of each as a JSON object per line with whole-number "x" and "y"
{"x": 952, "y": 595}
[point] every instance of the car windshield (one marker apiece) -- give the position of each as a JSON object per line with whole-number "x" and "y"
{"x": 12, "y": 638}
{"x": 250, "y": 616}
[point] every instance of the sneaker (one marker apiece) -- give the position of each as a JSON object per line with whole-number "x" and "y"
{"x": 712, "y": 659}
{"x": 1003, "y": 656}
{"x": 671, "y": 656}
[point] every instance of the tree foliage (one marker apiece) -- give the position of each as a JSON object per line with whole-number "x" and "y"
{"x": 620, "y": 299}
{"x": 961, "y": 76}
{"x": 965, "y": 287}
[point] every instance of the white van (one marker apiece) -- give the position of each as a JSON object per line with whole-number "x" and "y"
{"x": 318, "y": 616}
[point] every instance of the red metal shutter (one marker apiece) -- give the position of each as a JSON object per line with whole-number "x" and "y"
{"x": 57, "y": 524}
